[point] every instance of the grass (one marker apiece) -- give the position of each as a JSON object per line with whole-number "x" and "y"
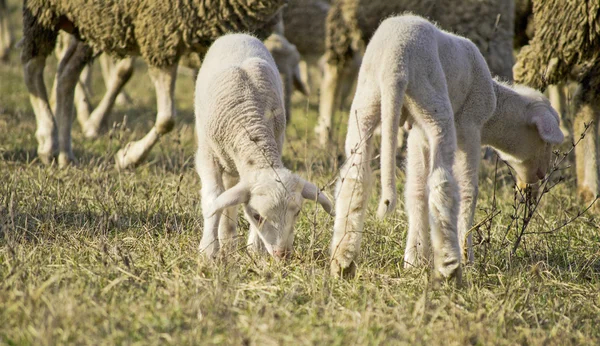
{"x": 90, "y": 255}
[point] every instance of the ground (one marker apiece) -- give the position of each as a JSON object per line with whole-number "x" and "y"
{"x": 91, "y": 255}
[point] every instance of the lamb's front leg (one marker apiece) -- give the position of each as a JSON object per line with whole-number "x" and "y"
{"x": 416, "y": 194}
{"x": 212, "y": 186}
{"x": 437, "y": 122}
{"x": 466, "y": 169}
{"x": 353, "y": 190}
{"x": 164, "y": 83}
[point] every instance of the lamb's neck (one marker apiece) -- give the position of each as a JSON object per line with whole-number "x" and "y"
{"x": 506, "y": 120}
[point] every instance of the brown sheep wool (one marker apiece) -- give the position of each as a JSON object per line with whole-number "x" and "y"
{"x": 304, "y": 22}
{"x": 159, "y": 31}
{"x": 566, "y": 42}
{"x": 488, "y": 23}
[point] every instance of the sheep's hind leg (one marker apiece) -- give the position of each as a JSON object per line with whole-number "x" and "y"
{"x": 330, "y": 85}
{"x": 586, "y": 152}
{"x": 416, "y": 194}
{"x": 77, "y": 56}
{"x": 354, "y": 185}
{"x": 121, "y": 73}
{"x": 164, "y": 82}
{"x": 228, "y": 223}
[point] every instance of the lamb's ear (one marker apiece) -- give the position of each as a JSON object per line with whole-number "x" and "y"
{"x": 311, "y": 191}
{"x": 299, "y": 83}
{"x": 236, "y": 195}
{"x": 545, "y": 120}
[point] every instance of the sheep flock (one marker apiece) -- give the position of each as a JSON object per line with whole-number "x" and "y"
{"x": 300, "y": 103}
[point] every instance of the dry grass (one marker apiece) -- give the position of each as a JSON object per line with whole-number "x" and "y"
{"x": 89, "y": 255}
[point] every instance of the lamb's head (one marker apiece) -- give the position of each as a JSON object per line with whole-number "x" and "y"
{"x": 272, "y": 201}
{"x": 531, "y": 152}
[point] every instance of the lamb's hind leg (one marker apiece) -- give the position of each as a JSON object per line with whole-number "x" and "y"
{"x": 69, "y": 69}
{"x": 229, "y": 217}
{"x": 164, "y": 83}
{"x": 354, "y": 183}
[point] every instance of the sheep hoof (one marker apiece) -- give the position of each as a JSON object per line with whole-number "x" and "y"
{"x": 448, "y": 276}
{"x": 46, "y": 158}
{"x": 66, "y": 159}
{"x": 386, "y": 207}
{"x": 91, "y": 132}
{"x": 586, "y": 194}
{"x": 345, "y": 272}
{"x": 121, "y": 160}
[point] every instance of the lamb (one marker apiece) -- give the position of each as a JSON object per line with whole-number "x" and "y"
{"x": 439, "y": 84}
{"x": 240, "y": 126}
{"x": 565, "y": 46}
{"x": 158, "y": 31}
{"x": 350, "y": 24}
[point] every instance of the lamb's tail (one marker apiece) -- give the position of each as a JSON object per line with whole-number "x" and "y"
{"x": 392, "y": 97}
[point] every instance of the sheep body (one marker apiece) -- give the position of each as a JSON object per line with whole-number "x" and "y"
{"x": 440, "y": 85}
{"x": 158, "y": 31}
{"x": 566, "y": 47}
{"x": 240, "y": 126}
{"x": 351, "y": 23}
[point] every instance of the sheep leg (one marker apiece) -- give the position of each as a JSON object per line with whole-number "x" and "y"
{"x": 6, "y": 36}
{"x": 558, "y": 100}
{"x": 121, "y": 73}
{"x": 416, "y": 193}
{"x": 212, "y": 186}
{"x": 228, "y": 222}
{"x": 46, "y": 133}
{"x": 83, "y": 103}
{"x": 354, "y": 184}
{"x": 329, "y": 90}
{"x": 164, "y": 83}
{"x": 466, "y": 170}
{"x": 586, "y": 152}
{"x": 391, "y": 111}
{"x": 107, "y": 66}
{"x": 77, "y": 56}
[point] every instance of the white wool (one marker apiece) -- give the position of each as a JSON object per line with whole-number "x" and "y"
{"x": 240, "y": 126}
{"x": 439, "y": 84}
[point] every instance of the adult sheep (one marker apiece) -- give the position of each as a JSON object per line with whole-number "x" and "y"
{"x": 240, "y": 126}
{"x": 351, "y": 23}
{"x": 159, "y": 31}
{"x": 440, "y": 84}
{"x": 566, "y": 46}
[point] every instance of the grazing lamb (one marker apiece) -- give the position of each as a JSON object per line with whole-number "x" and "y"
{"x": 240, "y": 126}
{"x": 440, "y": 85}
{"x": 160, "y": 31}
{"x": 351, "y": 23}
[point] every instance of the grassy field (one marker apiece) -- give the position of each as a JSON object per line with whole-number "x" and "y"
{"x": 90, "y": 255}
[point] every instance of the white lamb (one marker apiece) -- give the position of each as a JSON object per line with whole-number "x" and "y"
{"x": 240, "y": 126}
{"x": 441, "y": 86}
